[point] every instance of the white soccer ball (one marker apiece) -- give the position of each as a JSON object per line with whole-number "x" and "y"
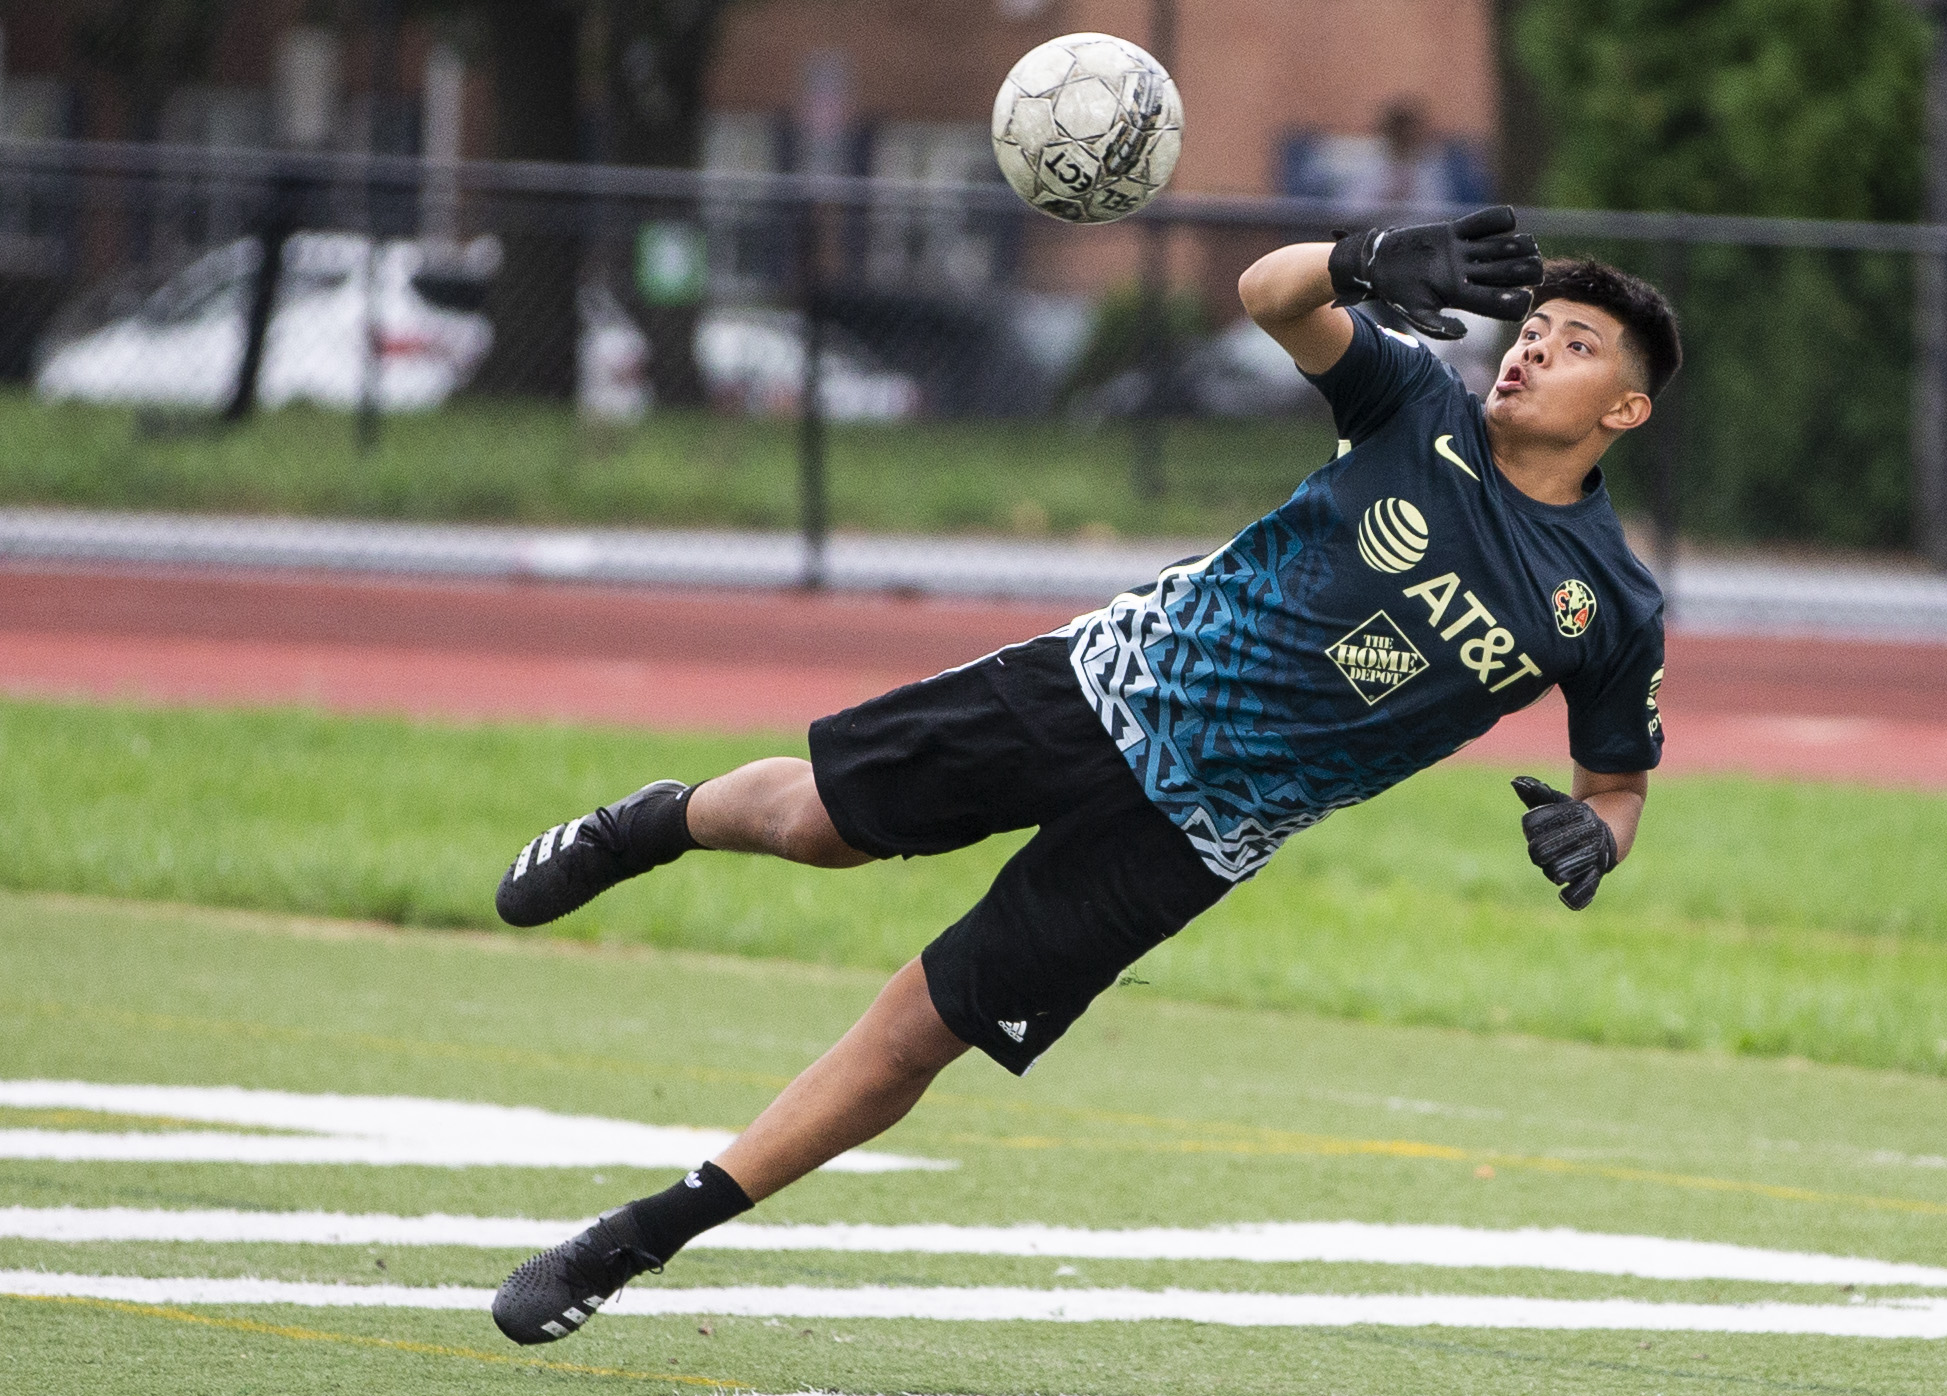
{"x": 1087, "y": 128}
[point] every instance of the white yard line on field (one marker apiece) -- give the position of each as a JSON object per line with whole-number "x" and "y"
{"x": 1372, "y": 1243}
{"x": 1887, "y": 1319}
{"x": 367, "y": 1130}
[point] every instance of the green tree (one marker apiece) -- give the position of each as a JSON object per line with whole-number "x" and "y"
{"x": 1794, "y": 399}
{"x": 614, "y": 81}
{"x": 657, "y": 56}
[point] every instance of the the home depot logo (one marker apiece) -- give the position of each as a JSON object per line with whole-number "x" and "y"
{"x": 1376, "y": 657}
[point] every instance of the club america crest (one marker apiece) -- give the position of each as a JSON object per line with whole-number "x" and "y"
{"x": 1574, "y": 607}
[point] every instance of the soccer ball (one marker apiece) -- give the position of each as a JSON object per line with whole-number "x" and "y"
{"x": 1087, "y": 128}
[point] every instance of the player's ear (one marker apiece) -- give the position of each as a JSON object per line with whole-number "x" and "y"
{"x": 1630, "y": 411}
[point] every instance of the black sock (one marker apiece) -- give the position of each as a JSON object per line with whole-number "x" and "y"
{"x": 658, "y": 831}
{"x": 675, "y": 1216}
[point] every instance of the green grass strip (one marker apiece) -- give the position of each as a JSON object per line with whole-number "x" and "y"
{"x": 535, "y": 463}
{"x": 1755, "y": 916}
{"x": 301, "y": 1334}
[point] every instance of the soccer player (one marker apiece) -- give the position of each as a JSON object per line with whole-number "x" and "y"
{"x": 1452, "y": 564}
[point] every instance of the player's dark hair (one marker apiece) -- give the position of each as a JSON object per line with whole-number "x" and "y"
{"x": 1649, "y": 324}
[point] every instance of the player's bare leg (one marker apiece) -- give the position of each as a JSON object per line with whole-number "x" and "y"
{"x": 859, "y": 1089}
{"x": 769, "y": 806}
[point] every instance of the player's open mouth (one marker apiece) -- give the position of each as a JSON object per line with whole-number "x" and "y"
{"x": 1513, "y": 380}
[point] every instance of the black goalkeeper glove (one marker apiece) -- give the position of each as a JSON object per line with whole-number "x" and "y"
{"x": 1477, "y": 263}
{"x": 1567, "y": 840}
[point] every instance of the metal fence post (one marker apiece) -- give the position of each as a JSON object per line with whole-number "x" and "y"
{"x": 813, "y": 515}
{"x": 1929, "y": 426}
{"x": 280, "y": 220}
{"x": 366, "y": 419}
{"x": 1928, "y": 434}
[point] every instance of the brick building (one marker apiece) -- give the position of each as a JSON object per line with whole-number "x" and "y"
{"x": 909, "y": 81}
{"x": 1281, "y": 96}
{"x": 1254, "y": 74}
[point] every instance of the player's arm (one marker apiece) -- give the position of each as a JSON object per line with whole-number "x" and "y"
{"x": 1618, "y": 798}
{"x": 1477, "y": 263}
{"x": 1289, "y": 294}
{"x": 1576, "y": 839}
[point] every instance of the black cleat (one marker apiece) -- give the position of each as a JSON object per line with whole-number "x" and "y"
{"x": 557, "y": 1291}
{"x": 571, "y": 864}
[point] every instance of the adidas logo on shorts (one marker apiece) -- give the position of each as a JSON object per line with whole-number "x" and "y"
{"x": 1017, "y": 1031}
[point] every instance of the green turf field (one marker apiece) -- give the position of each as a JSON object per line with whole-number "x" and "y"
{"x": 1758, "y": 917}
{"x": 533, "y": 463}
{"x": 1152, "y": 1112}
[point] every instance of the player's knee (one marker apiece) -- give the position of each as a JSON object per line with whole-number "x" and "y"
{"x": 807, "y": 831}
{"x": 908, "y": 1055}
{"x": 914, "y": 1042}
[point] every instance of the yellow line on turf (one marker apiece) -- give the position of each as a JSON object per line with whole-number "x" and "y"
{"x": 318, "y": 1335}
{"x": 1229, "y": 1137}
{"x": 1312, "y": 1145}
{"x": 1703, "y": 1183}
{"x": 1329, "y": 1146}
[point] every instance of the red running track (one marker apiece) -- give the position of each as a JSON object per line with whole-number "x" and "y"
{"x": 769, "y": 661}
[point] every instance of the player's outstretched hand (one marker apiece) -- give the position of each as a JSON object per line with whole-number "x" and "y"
{"x": 1567, "y": 840}
{"x": 1477, "y": 263}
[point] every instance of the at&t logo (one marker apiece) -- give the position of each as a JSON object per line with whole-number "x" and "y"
{"x": 1393, "y": 536}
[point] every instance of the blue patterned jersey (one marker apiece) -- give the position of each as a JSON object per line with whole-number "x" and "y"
{"x": 1403, "y": 600}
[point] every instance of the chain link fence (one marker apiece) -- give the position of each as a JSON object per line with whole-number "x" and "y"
{"x": 373, "y": 337}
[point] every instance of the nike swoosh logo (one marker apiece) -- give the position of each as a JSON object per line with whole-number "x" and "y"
{"x": 1444, "y": 445}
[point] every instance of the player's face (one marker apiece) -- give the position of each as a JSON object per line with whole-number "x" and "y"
{"x": 1567, "y": 375}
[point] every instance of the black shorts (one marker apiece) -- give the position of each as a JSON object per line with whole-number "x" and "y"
{"x": 1009, "y": 742}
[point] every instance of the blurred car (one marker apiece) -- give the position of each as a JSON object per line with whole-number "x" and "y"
{"x": 754, "y": 361}
{"x": 1242, "y": 372}
{"x": 751, "y": 361}
{"x": 183, "y": 347}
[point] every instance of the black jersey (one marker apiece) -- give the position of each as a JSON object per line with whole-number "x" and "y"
{"x": 1402, "y": 601}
